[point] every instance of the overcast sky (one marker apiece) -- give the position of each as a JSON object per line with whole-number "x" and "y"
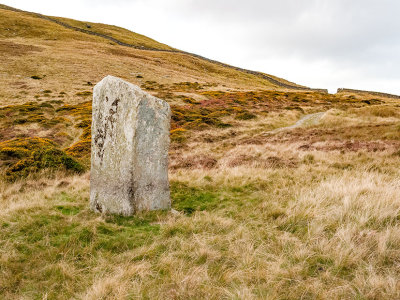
{"x": 318, "y": 43}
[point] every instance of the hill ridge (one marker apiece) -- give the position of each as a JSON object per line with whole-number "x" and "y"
{"x": 373, "y": 93}
{"x": 121, "y": 43}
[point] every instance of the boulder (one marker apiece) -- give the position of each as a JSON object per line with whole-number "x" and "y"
{"x": 129, "y": 158}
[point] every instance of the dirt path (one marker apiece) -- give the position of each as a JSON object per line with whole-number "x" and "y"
{"x": 310, "y": 119}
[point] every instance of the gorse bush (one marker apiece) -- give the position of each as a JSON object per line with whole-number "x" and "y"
{"x": 25, "y": 156}
{"x": 80, "y": 149}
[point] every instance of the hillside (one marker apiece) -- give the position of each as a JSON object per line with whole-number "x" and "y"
{"x": 280, "y": 191}
{"x": 32, "y": 43}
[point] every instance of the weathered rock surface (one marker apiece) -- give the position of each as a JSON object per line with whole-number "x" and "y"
{"x": 130, "y": 140}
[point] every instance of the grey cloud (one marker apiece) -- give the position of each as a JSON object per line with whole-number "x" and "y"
{"x": 359, "y": 34}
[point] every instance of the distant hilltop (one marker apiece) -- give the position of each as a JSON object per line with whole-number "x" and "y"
{"x": 378, "y": 94}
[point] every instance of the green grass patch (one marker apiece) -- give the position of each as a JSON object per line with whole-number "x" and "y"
{"x": 42, "y": 240}
{"x": 190, "y": 199}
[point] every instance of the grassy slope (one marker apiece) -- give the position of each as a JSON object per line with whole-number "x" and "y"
{"x": 119, "y": 33}
{"x": 310, "y": 213}
{"x": 32, "y": 46}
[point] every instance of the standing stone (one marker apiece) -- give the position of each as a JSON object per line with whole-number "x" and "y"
{"x": 130, "y": 140}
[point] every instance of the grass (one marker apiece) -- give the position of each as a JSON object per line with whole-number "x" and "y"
{"x": 118, "y": 33}
{"x": 279, "y": 223}
{"x": 37, "y": 53}
{"x": 242, "y": 232}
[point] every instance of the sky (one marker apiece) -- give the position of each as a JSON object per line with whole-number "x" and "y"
{"x": 317, "y": 43}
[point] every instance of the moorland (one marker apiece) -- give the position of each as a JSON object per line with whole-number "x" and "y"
{"x": 279, "y": 191}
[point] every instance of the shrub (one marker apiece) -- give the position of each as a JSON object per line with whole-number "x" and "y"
{"x": 25, "y": 144}
{"x": 245, "y": 116}
{"x": 178, "y": 135}
{"x": 84, "y": 94}
{"x": 84, "y": 124}
{"x": 79, "y": 149}
{"x": 186, "y": 86}
{"x": 46, "y": 105}
{"x": 41, "y": 159}
{"x": 25, "y": 156}
{"x": 190, "y": 100}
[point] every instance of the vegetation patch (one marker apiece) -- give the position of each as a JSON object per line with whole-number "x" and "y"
{"x": 245, "y": 116}
{"x": 43, "y": 240}
{"x": 80, "y": 149}
{"x": 186, "y": 86}
{"x": 178, "y": 135}
{"x": 190, "y": 199}
{"x": 25, "y": 156}
{"x": 84, "y": 93}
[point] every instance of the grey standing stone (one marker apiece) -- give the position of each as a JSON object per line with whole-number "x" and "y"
{"x": 130, "y": 140}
